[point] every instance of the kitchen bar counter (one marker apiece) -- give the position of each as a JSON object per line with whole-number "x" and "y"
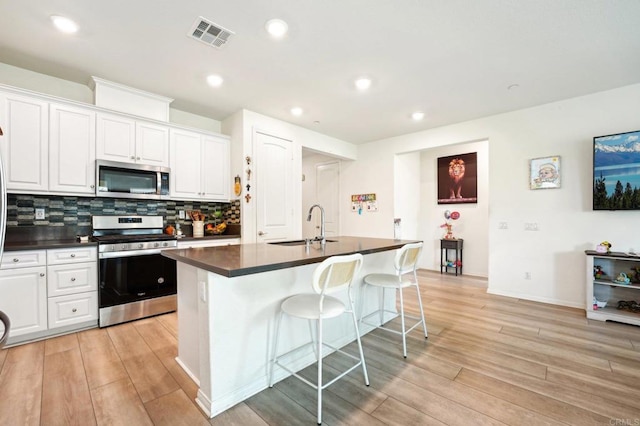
{"x": 244, "y": 259}
{"x": 228, "y": 300}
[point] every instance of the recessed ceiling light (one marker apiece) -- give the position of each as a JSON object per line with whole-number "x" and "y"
{"x": 277, "y": 27}
{"x": 65, "y": 25}
{"x": 215, "y": 80}
{"x": 363, "y": 83}
{"x": 297, "y": 111}
{"x": 418, "y": 115}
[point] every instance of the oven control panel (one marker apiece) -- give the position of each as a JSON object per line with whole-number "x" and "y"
{"x": 137, "y": 245}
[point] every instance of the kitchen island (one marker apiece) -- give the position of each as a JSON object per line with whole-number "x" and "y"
{"x": 228, "y": 299}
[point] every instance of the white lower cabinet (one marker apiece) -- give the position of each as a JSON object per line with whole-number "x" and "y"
{"x": 72, "y": 286}
{"x": 43, "y": 291}
{"x": 23, "y": 297}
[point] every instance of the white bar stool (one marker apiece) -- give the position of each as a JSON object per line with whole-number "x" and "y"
{"x": 4, "y": 319}
{"x": 334, "y": 274}
{"x": 405, "y": 262}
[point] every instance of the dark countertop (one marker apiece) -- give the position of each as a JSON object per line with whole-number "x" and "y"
{"x": 45, "y": 244}
{"x": 44, "y": 237}
{"x": 245, "y": 259}
{"x": 209, "y": 237}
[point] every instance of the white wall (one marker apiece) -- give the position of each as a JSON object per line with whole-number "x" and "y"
{"x": 407, "y": 195}
{"x": 554, "y": 255}
{"x": 42, "y": 83}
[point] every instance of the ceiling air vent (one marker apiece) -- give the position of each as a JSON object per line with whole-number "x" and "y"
{"x": 209, "y": 33}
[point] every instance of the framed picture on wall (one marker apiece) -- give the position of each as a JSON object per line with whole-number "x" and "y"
{"x": 458, "y": 179}
{"x": 544, "y": 172}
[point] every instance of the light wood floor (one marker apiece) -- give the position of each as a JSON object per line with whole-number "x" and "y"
{"x": 488, "y": 360}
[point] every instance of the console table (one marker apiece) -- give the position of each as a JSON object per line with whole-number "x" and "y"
{"x": 447, "y": 264}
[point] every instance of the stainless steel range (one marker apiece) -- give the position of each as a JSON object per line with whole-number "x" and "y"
{"x": 136, "y": 281}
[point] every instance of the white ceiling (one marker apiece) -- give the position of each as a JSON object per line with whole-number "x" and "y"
{"x": 451, "y": 59}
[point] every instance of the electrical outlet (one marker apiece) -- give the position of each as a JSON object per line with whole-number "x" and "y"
{"x": 40, "y": 214}
{"x": 181, "y": 214}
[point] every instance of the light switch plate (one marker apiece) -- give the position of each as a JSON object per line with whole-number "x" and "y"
{"x": 39, "y": 214}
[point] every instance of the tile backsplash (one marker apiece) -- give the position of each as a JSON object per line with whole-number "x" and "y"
{"x": 77, "y": 211}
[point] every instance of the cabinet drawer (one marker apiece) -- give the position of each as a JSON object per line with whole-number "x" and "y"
{"x": 73, "y": 309}
{"x": 72, "y": 278}
{"x": 23, "y": 259}
{"x": 73, "y": 255}
{"x": 450, "y": 244}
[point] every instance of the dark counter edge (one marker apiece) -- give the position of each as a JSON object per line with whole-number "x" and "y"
{"x": 272, "y": 267}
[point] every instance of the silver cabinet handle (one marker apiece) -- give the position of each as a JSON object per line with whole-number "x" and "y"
{"x": 262, "y": 233}
{"x": 15, "y": 259}
{"x": 73, "y": 279}
{"x": 42, "y": 274}
{"x": 133, "y": 157}
{"x": 137, "y": 158}
{"x": 73, "y": 255}
{"x": 92, "y": 186}
{"x": 74, "y": 310}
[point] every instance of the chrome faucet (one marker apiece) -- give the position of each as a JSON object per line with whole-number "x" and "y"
{"x": 320, "y": 238}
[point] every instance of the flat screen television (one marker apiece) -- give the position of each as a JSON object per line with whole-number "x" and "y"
{"x": 616, "y": 171}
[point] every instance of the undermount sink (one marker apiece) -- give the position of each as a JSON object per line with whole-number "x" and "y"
{"x": 297, "y": 242}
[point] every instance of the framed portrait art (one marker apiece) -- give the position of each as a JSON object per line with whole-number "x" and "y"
{"x": 544, "y": 172}
{"x": 458, "y": 179}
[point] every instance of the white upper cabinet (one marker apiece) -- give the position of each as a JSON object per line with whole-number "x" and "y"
{"x": 24, "y": 147}
{"x": 115, "y": 138}
{"x": 215, "y": 167}
{"x": 199, "y": 166}
{"x": 72, "y": 140}
{"x": 127, "y": 140}
{"x": 152, "y": 144}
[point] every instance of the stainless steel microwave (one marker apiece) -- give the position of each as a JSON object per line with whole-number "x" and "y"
{"x": 124, "y": 180}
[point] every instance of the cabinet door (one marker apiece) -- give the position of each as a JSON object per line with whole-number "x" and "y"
{"x": 115, "y": 138}
{"x": 23, "y": 297}
{"x": 215, "y": 168}
{"x": 25, "y": 122}
{"x": 185, "y": 163}
{"x": 72, "y": 152}
{"x": 152, "y": 144}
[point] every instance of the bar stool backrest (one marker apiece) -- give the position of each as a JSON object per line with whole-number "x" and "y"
{"x": 7, "y": 325}
{"x": 336, "y": 272}
{"x": 407, "y": 257}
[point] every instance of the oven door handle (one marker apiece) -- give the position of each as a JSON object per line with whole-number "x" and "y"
{"x": 128, "y": 253}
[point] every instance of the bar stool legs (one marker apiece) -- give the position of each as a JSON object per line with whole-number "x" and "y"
{"x": 333, "y": 274}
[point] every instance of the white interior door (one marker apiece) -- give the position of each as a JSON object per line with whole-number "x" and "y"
{"x": 328, "y": 196}
{"x": 273, "y": 167}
